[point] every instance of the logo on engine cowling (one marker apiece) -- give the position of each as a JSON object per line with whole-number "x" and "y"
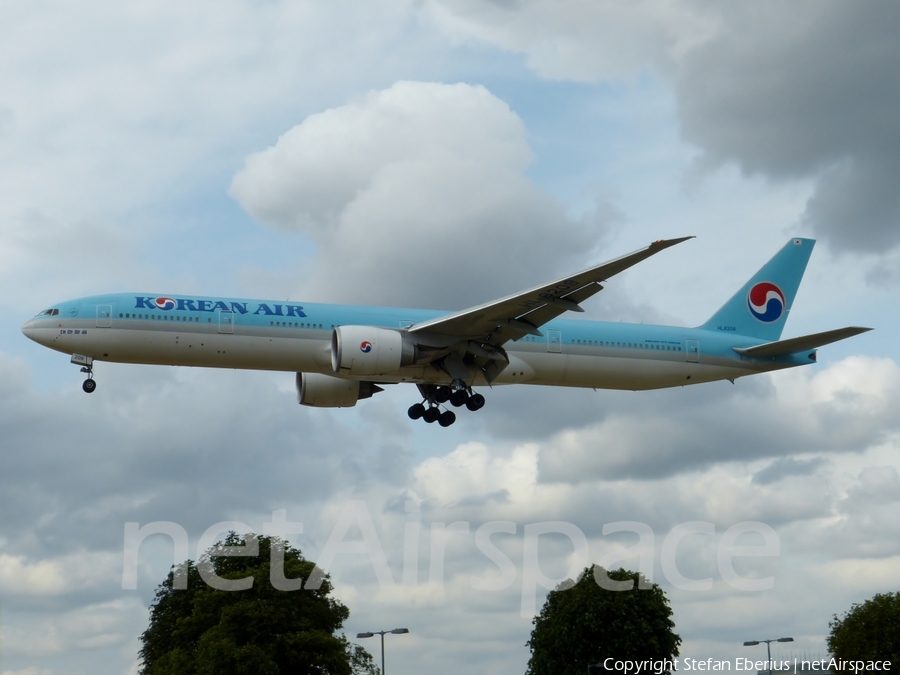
{"x": 365, "y": 347}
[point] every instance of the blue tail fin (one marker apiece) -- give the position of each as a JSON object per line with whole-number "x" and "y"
{"x": 761, "y": 307}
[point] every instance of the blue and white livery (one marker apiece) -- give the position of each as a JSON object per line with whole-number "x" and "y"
{"x": 342, "y": 354}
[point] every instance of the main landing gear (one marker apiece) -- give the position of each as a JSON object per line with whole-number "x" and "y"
{"x": 433, "y": 396}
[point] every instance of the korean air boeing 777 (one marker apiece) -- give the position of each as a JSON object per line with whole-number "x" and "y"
{"x": 342, "y": 354}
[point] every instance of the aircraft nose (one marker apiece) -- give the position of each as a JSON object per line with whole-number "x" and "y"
{"x": 28, "y": 329}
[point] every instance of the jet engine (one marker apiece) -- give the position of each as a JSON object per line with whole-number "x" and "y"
{"x": 325, "y": 391}
{"x": 369, "y": 350}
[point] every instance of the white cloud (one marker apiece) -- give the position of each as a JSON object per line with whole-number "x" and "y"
{"x": 847, "y": 406}
{"x": 39, "y": 578}
{"x": 414, "y": 195}
{"x": 580, "y": 39}
{"x": 471, "y": 472}
{"x": 180, "y": 474}
{"x": 833, "y": 532}
{"x": 806, "y": 90}
{"x": 879, "y": 484}
{"x": 110, "y": 114}
{"x": 89, "y": 628}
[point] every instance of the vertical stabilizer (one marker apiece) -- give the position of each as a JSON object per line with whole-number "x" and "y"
{"x": 762, "y": 305}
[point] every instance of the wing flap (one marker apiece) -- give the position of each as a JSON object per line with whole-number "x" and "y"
{"x": 801, "y": 344}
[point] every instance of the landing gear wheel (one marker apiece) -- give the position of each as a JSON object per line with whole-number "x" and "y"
{"x": 431, "y": 415}
{"x": 416, "y": 411}
{"x": 459, "y": 397}
{"x": 447, "y": 418}
{"x": 89, "y": 386}
{"x": 475, "y": 402}
{"x": 442, "y": 394}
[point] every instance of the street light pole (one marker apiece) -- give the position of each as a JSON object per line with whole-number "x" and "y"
{"x": 750, "y": 643}
{"x": 396, "y": 631}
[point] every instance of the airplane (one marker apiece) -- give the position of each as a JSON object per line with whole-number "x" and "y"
{"x": 342, "y": 354}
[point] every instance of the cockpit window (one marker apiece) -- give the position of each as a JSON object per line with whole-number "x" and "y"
{"x": 49, "y": 312}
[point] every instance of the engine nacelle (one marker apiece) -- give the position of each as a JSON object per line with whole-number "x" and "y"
{"x": 325, "y": 391}
{"x": 369, "y": 350}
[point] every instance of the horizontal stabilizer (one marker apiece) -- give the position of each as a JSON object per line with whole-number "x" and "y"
{"x": 801, "y": 344}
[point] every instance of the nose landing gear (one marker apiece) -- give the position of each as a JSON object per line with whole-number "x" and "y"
{"x": 433, "y": 396}
{"x": 87, "y": 367}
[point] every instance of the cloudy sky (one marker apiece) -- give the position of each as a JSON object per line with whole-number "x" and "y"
{"x": 441, "y": 153}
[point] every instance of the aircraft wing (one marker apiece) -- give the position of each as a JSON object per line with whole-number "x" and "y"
{"x": 521, "y": 314}
{"x": 801, "y": 344}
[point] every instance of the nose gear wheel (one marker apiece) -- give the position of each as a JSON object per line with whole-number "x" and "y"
{"x": 89, "y": 385}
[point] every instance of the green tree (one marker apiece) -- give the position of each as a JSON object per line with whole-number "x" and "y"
{"x": 868, "y": 631}
{"x": 584, "y": 622}
{"x": 204, "y": 630}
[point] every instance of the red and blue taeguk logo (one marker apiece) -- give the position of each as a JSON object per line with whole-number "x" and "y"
{"x": 766, "y": 301}
{"x": 365, "y": 347}
{"x": 165, "y": 303}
